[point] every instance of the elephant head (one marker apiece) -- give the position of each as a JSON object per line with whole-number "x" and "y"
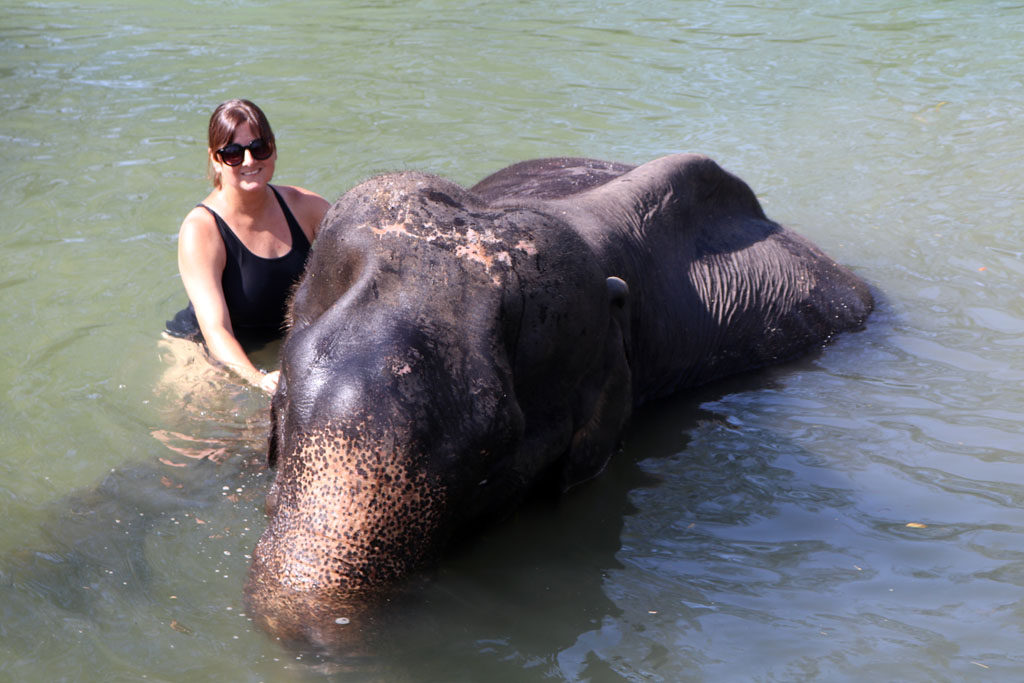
{"x": 444, "y": 358}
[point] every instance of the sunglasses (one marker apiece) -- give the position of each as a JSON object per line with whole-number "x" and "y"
{"x": 234, "y": 154}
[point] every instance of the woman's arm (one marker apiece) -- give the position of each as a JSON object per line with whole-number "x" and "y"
{"x": 201, "y": 259}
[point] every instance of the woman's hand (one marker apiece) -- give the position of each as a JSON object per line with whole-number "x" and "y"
{"x": 269, "y": 381}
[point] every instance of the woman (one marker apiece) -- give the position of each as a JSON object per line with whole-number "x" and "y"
{"x": 241, "y": 250}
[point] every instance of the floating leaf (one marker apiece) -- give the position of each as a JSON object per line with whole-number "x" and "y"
{"x": 177, "y": 626}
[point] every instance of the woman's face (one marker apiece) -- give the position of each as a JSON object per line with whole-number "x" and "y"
{"x": 251, "y": 174}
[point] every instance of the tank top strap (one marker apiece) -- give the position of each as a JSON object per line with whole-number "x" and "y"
{"x": 299, "y": 239}
{"x": 231, "y": 241}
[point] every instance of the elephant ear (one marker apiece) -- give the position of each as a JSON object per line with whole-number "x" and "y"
{"x": 604, "y": 400}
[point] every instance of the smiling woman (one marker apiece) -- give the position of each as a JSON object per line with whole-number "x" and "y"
{"x": 240, "y": 251}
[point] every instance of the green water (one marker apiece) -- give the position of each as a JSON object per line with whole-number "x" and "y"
{"x": 754, "y": 531}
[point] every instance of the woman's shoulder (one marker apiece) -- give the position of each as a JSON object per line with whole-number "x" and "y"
{"x": 300, "y": 196}
{"x": 199, "y": 218}
{"x": 308, "y": 206}
{"x": 199, "y": 231}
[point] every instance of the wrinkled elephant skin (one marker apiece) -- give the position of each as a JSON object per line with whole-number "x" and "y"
{"x": 450, "y": 350}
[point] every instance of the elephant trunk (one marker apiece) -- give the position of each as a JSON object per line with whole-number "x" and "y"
{"x": 351, "y": 525}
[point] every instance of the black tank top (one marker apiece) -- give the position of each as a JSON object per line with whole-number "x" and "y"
{"x": 256, "y": 289}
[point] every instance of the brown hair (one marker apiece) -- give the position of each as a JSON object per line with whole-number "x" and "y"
{"x": 228, "y": 117}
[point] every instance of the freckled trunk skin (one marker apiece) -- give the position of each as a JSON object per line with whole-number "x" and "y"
{"x": 351, "y": 523}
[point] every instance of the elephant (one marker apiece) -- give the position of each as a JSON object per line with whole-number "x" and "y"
{"x": 451, "y": 351}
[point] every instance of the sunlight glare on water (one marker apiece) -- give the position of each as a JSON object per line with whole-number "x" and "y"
{"x": 854, "y": 515}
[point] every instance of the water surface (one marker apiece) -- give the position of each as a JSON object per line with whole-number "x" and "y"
{"x": 855, "y": 515}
